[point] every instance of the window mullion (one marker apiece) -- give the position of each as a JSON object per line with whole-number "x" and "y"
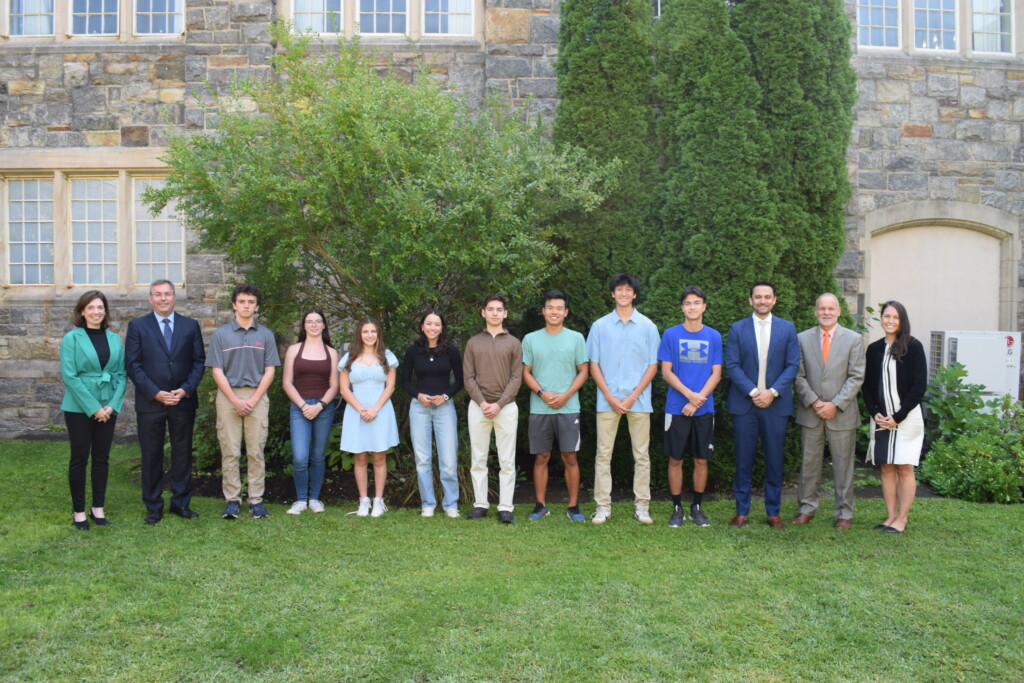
{"x": 61, "y": 232}
{"x": 125, "y": 234}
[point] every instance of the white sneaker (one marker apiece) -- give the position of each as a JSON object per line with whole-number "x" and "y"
{"x": 643, "y": 515}
{"x": 452, "y": 512}
{"x": 379, "y": 508}
{"x": 297, "y": 508}
{"x": 364, "y": 508}
{"x": 425, "y": 512}
{"x": 602, "y": 515}
{"x": 315, "y": 505}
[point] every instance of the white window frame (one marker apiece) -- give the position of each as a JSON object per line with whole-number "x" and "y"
{"x": 1013, "y": 31}
{"x": 956, "y": 11}
{"x": 415, "y": 24}
{"x": 8, "y": 201}
{"x": 423, "y": 15}
{"x": 135, "y": 19}
{"x": 899, "y": 29}
{"x": 63, "y": 262}
{"x": 63, "y": 23}
{"x": 964, "y": 33}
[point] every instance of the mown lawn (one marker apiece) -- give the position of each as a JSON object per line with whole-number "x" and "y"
{"x": 335, "y": 597}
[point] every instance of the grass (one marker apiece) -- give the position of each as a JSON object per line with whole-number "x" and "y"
{"x": 334, "y": 597}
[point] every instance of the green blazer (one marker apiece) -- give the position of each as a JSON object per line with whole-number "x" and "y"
{"x": 87, "y": 386}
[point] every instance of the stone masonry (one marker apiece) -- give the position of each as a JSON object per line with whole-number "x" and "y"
{"x": 926, "y": 129}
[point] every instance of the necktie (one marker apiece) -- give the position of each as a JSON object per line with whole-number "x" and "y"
{"x": 826, "y": 344}
{"x": 762, "y": 356}
{"x": 167, "y": 333}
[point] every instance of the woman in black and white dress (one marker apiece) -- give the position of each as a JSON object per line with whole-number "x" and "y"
{"x": 894, "y": 384}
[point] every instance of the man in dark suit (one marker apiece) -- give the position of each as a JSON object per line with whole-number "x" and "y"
{"x": 831, "y": 372}
{"x": 762, "y": 357}
{"x": 165, "y": 360}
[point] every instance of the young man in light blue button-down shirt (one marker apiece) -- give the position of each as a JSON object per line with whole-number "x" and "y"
{"x": 623, "y": 350}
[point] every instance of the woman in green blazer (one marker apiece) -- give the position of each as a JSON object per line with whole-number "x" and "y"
{"x": 92, "y": 367}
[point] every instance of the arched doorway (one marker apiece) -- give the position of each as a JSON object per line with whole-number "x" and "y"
{"x": 952, "y": 264}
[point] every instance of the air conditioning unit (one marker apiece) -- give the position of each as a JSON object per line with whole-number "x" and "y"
{"x": 992, "y": 359}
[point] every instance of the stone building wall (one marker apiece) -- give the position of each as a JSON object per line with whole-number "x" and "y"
{"x": 110, "y": 103}
{"x": 930, "y": 132}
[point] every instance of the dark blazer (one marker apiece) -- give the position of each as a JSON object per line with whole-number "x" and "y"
{"x": 152, "y": 368}
{"x": 911, "y": 379}
{"x": 741, "y": 365}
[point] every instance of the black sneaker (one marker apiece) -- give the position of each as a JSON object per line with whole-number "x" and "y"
{"x": 698, "y": 516}
{"x": 505, "y": 516}
{"x": 476, "y": 513}
{"x": 258, "y": 511}
{"x": 678, "y": 516}
{"x": 232, "y": 510}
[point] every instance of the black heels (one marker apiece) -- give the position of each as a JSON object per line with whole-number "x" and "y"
{"x": 81, "y": 526}
{"x": 99, "y": 521}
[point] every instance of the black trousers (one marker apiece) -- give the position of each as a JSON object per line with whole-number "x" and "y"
{"x": 153, "y": 428}
{"x": 89, "y": 437}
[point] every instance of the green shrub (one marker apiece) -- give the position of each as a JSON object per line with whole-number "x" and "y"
{"x": 952, "y": 404}
{"x": 984, "y": 463}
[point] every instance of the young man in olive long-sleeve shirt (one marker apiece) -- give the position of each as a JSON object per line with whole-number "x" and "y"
{"x": 492, "y": 372}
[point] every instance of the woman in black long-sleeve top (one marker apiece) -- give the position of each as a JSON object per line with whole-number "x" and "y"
{"x": 895, "y": 380}
{"x": 432, "y": 375}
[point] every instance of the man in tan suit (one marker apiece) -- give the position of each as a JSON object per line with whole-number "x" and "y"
{"x": 831, "y": 372}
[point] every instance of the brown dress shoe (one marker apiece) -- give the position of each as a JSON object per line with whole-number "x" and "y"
{"x": 843, "y": 524}
{"x": 802, "y": 518}
{"x": 738, "y": 521}
{"x": 776, "y": 522}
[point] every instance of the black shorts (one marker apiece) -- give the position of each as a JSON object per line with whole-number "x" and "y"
{"x": 694, "y": 435}
{"x": 544, "y": 428}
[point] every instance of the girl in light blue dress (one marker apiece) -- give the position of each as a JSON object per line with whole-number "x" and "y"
{"x": 367, "y": 380}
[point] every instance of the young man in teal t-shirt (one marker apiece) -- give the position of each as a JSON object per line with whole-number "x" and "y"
{"x": 555, "y": 367}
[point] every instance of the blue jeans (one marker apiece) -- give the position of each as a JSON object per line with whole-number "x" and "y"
{"x": 440, "y": 419}
{"x": 309, "y": 444}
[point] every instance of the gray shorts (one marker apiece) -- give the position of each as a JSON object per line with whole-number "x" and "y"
{"x": 543, "y": 430}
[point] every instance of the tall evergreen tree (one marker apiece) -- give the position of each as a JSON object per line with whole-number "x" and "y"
{"x": 801, "y": 59}
{"x": 605, "y": 78}
{"x": 718, "y": 219}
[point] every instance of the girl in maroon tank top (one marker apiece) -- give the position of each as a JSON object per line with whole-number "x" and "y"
{"x": 311, "y": 383}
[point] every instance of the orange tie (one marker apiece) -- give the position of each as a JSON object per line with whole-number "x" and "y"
{"x": 826, "y": 344}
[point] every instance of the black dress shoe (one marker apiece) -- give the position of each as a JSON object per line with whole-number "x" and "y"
{"x": 81, "y": 526}
{"x": 98, "y": 521}
{"x": 184, "y": 513}
{"x": 154, "y": 517}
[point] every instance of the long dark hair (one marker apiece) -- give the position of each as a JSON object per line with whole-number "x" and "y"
{"x": 899, "y": 348}
{"x": 422, "y": 345}
{"x": 78, "y": 318}
{"x": 325, "y": 335}
{"x": 355, "y": 349}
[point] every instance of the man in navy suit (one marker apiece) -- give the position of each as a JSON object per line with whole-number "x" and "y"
{"x": 762, "y": 357}
{"x": 165, "y": 360}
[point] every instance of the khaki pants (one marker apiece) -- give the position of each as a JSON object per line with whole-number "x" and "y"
{"x": 842, "y": 444}
{"x": 640, "y": 437}
{"x": 504, "y": 427}
{"x": 230, "y": 430}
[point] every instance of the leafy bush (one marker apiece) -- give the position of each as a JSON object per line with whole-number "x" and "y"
{"x": 985, "y": 462}
{"x": 952, "y": 404}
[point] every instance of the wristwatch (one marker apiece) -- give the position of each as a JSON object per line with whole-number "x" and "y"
{"x": 322, "y": 404}
{"x": 775, "y": 393}
{"x": 445, "y": 397}
{"x": 540, "y": 391}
